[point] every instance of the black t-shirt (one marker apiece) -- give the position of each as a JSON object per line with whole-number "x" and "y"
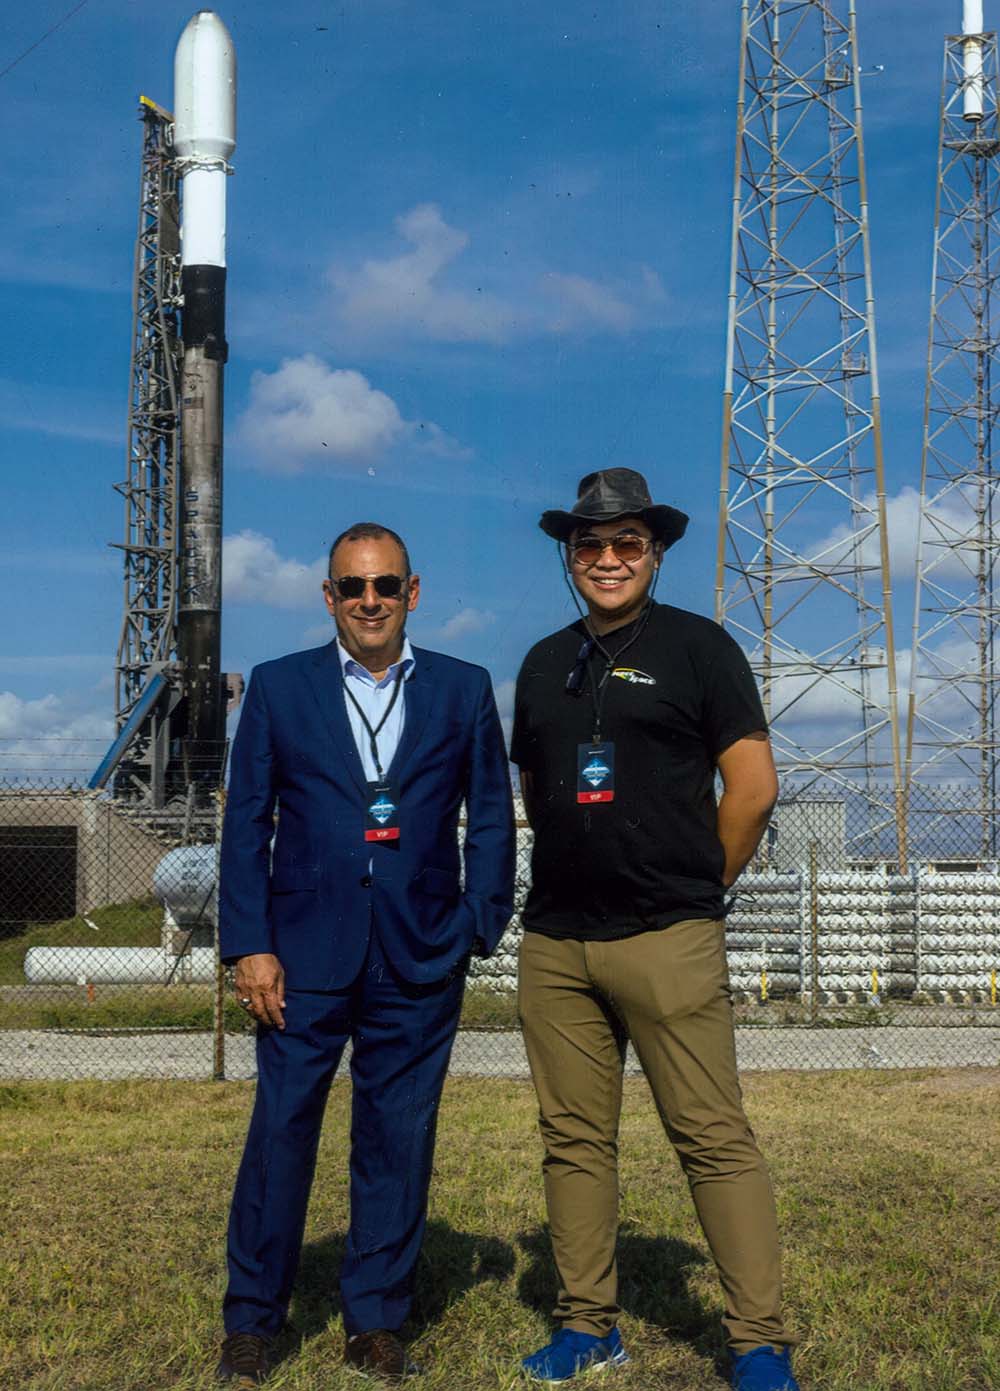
{"x": 681, "y": 694}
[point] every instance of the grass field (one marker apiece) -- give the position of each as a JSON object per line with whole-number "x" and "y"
{"x": 114, "y": 1202}
{"x": 153, "y": 1006}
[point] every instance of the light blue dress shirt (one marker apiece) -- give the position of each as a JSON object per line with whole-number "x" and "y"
{"x": 373, "y": 697}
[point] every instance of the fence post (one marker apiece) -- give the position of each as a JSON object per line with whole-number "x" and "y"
{"x": 814, "y": 929}
{"x": 219, "y": 1002}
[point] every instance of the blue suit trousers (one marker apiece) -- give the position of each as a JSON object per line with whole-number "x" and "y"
{"x": 402, "y": 1036}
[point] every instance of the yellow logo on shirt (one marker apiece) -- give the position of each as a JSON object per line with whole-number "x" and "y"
{"x": 633, "y": 676}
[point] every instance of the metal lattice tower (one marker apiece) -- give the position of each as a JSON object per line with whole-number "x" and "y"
{"x": 148, "y": 633}
{"x": 803, "y": 574}
{"x": 951, "y": 732}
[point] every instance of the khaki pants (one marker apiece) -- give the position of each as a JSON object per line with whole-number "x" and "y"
{"x": 667, "y": 991}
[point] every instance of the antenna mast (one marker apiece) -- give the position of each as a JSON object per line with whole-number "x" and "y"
{"x": 802, "y": 576}
{"x": 951, "y": 732}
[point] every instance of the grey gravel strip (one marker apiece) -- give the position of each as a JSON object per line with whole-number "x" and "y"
{"x": 51, "y": 1055}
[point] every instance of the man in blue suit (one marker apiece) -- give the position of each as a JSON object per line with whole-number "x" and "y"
{"x": 356, "y": 927}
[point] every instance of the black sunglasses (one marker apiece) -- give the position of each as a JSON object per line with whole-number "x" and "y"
{"x": 353, "y": 586}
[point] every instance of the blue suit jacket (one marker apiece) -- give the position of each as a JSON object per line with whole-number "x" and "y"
{"x": 311, "y": 903}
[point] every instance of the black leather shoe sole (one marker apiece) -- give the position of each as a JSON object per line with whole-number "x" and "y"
{"x": 245, "y": 1362}
{"x": 381, "y": 1356}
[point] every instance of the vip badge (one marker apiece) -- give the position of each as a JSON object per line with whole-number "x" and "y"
{"x": 595, "y": 773}
{"x": 382, "y": 813}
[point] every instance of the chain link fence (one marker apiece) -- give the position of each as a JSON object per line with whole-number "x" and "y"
{"x": 840, "y": 957}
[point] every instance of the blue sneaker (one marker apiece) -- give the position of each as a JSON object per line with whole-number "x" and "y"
{"x": 764, "y": 1369}
{"x": 571, "y": 1353}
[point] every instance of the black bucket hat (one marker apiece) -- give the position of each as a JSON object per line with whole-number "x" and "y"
{"x": 612, "y": 493}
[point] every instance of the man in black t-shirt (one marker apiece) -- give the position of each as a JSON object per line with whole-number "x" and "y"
{"x": 622, "y": 721}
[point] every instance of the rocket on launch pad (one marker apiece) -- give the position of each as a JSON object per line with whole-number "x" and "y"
{"x": 172, "y": 705}
{"x": 204, "y": 139}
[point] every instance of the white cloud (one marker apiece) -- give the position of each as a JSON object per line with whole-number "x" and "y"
{"x": 50, "y": 716}
{"x": 51, "y": 738}
{"x": 584, "y": 304}
{"x": 254, "y": 572}
{"x": 319, "y": 633}
{"x": 653, "y": 285}
{"x": 504, "y": 696}
{"x": 803, "y": 698}
{"x": 947, "y": 689}
{"x": 307, "y": 409}
{"x": 424, "y": 291}
{"x": 467, "y": 621}
{"x": 948, "y": 524}
{"x": 405, "y": 291}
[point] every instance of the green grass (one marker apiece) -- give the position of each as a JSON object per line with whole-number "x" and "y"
{"x": 184, "y": 1007}
{"x": 139, "y": 924}
{"x": 187, "y": 1007}
{"x": 190, "y": 1007}
{"x": 114, "y": 1205}
{"x": 136, "y": 924}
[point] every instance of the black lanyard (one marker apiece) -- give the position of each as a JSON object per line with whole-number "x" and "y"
{"x": 598, "y": 694}
{"x": 599, "y": 687}
{"x": 374, "y": 733}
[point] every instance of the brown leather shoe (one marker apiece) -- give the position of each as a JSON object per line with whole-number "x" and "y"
{"x": 379, "y": 1353}
{"x": 245, "y": 1361}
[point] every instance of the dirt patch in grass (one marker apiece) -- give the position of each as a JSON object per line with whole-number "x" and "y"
{"x": 968, "y": 1079}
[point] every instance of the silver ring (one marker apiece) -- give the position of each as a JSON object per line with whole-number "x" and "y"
{"x": 246, "y": 1003}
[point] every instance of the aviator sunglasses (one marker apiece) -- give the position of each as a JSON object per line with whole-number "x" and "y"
{"x": 353, "y": 586}
{"x": 627, "y": 548}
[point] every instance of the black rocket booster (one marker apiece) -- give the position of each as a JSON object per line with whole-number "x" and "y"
{"x": 204, "y": 138}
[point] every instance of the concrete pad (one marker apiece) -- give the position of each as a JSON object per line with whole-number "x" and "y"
{"x": 57, "y": 1055}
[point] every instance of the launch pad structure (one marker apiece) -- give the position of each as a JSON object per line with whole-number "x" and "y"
{"x": 147, "y": 645}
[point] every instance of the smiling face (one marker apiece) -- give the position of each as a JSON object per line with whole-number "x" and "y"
{"x": 613, "y": 589}
{"x": 371, "y": 627}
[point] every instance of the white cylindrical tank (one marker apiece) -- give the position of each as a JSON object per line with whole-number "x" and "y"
{"x": 117, "y": 966}
{"x": 972, "y": 60}
{"x": 184, "y": 882}
{"x": 204, "y": 134}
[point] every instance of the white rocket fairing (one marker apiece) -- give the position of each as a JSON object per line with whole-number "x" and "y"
{"x": 204, "y": 134}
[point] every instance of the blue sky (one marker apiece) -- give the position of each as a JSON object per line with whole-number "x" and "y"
{"x": 481, "y": 249}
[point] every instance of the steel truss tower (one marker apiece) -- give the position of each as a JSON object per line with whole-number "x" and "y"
{"x": 148, "y": 634}
{"x": 802, "y": 577}
{"x": 951, "y": 732}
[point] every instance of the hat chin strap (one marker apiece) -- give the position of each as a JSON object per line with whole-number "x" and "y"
{"x": 647, "y": 607}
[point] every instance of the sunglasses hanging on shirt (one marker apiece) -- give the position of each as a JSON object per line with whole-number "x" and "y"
{"x": 575, "y": 680}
